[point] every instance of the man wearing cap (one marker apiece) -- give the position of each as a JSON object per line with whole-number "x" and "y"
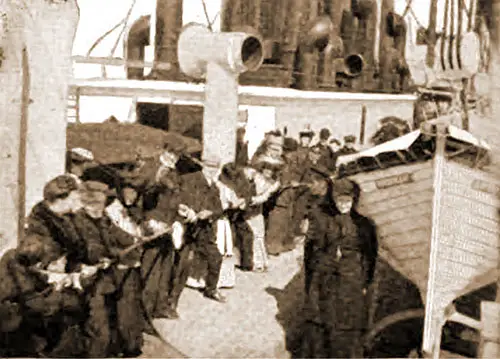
{"x": 78, "y": 160}
{"x": 349, "y": 146}
{"x": 118, "y": 285}
{"x": 343, "y": 254}
{"x": 166, "y": 258}
{"x": 327, "y": 156}
{"x": 200, "y": 206}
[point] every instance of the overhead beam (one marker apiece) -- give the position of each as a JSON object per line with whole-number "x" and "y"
{"x": 248, "y": 95}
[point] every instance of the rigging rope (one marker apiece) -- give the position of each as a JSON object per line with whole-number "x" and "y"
{"x": 409, "y": 9}
{"x": 102, "y": 37}
{"x": 443, "y": 36}
{"x": 459, "y": 32}
{"x": 207, "y": 17}
{"x": 125, "y": 23}
{"x": 451, "y": 34}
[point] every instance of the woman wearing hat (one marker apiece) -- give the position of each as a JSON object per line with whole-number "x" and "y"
{"x": 264, "y": 178}
{"x": 343, "y": 257}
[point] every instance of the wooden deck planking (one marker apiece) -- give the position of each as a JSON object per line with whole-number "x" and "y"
{"x": 419, "y": 175}
{"x": 462, "y": 237}
{"x": 465, "y": 191}
{"x": 416, "y": 251}
{"x": 462, "y": 174}
{"x": 471, "y": 206}
{"x": 422, "y": 208}
{"x": 406, "y": 225}
{"x": 485, "y": 230}
{"x": 397, "y": 191}
{"x": 416, "y": 270}
{"x": 397, "y": 240}
{"x": 395, "y": 203}
{"x": 454, "y": 254}
{"x": 371, "y": 176}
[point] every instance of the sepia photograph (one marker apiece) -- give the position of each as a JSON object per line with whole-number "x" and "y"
{"x": 276, "y": 179}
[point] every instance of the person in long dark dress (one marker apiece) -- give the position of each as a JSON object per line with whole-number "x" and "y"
{"x": 343, "y": 260}
{"x": 162, "y": 259}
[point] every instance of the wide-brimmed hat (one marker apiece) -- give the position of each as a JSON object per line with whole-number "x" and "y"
{"x": 306, "y": 132}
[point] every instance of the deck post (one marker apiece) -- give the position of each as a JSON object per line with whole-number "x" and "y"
{"x": 434, "y": 315}
{"x": 36, "y": 38}
{"x": 220, "y": 58}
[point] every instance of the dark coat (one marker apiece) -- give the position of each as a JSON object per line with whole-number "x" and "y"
{"x": 296, "y": 162}
{"x": 114, "y": 290}
{"x": 103, "y": 238}
{"x": 34, "y": 317}
{"x": 158, "y": 266}
{"x": 327, "y": 158}
{"x": 58, "y": 234}
{"x": 342, "y": 254}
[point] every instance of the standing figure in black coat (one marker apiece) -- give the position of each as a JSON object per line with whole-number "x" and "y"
{"x": 164, "y": 259}
{"x": 201, "y": 207}
{"x": 343, "y": 260}
{"x": 115, "y": 320}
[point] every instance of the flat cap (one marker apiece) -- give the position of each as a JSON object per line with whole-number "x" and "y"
{"x": 350, "y": 139}
{"x": 343, "y": 187}
{"x": 59, "y": 187}
{"x": 81, "y": 154}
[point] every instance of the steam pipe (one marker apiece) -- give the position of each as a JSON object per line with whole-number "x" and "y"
{"x": 459, "y": 32}
{"x": 220, "y": 58}
{"x": 443, "y": 36}
{"x": 452, "y": 34}
{"x": 314, "y": 39}
{"x": 335, "y": 49}
{"x": 137, "y": 40}
{"x": 296, "y": 15}
{"x": 431, "y": 34}
{"x": 168, "y": 26}
{"x": 386, "y": 41}
{"x": 365, "y": 11}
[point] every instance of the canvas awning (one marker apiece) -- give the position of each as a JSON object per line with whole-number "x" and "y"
{"x": 404, "y": 142}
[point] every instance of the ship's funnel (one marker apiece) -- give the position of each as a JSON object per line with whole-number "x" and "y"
{"x": 353, "y": 65}
{"x": 362, "y": 9}
{"x": 319, "y": 32}
{"x": 235, "y": 51}
{"x": 219, "y": 58}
